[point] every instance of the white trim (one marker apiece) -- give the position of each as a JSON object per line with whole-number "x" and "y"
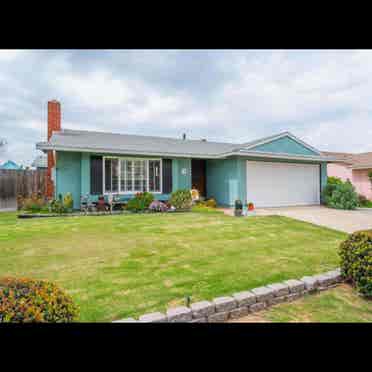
{"x": 298, "y": 184}
{"x": 278, "y": 155}
{"x": 120, "y": 192}
{"x": 281, "y": 135}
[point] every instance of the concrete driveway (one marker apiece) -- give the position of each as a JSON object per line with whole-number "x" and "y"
{"x": 348, "y": 221}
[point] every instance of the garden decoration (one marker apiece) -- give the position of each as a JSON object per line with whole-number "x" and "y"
{"x": 110, "y": 200}
{"x": 194, "y": 195}
{"x": 101, "y": 205}
{"x": 250, "y": 206}
{"x": 238, "y": 211}
{"x": 84, "y": 203}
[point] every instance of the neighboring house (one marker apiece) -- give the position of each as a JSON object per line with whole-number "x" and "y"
{"x": 354, "y": 167}
{"x": 10, "y": 165}
{"x": 279, "y": 170}
{"x": 40, "y": 162}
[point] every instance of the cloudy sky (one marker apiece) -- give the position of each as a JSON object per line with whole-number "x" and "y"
{"x": 324, "y": 97}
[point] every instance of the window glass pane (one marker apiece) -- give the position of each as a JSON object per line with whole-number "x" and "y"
{"x": 123, "y": 164}
{"x": 137, "y": 175}
{"x": 157, "y": 175}
{"x": 144, "y": 175}
{"x": 107, "y": 175}
{"x": 154, "y": 175}
{"x": 114, "y": 175}
{"x": 128, "y": 175}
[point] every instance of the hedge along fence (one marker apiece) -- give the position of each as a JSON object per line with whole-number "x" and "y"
{"x": 241, "y": 304}
{"x": 20, "y": 182}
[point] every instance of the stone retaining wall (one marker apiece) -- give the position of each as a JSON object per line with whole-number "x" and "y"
{"x": 241, "y": 304}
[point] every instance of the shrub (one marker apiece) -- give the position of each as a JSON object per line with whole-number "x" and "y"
{"x": 211, "y": 203}
{"x": 140, "y": 202}
{"x": 27, "y": 300}
{"x": 362, "y": 200}
{"x": 341, "y": 196}
{"x": 181, "y": 199}
{"x": 158, "y": 206}
{"x": 68, "y": 201}
{"x": 34, "y": 204}
{"x": 332, "y": 183}
{"x": 356, "y": 261}
{"x": 56, "y": 206}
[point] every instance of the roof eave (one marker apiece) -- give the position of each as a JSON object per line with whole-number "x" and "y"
{"x": 366, "y": 166}
{"x": 285, "y": 156}
{"x": 47, "y": 147}
{"x": 44, "y": 146}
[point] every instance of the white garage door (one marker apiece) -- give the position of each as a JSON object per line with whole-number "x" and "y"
{"x": 282, "y": 184}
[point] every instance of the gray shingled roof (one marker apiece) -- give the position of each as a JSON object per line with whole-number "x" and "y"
{"x": 113, "y": 143}
{"x": 134, "y": 144}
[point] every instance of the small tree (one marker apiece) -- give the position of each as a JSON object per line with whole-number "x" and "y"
{"x": 370, "y": 177}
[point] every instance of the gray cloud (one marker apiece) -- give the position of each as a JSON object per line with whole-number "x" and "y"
{"x": 322, "y": 96}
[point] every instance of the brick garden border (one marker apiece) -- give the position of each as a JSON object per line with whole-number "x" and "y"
{"x": 241, "y": 304}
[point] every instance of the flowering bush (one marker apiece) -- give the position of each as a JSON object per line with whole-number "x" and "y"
{"x": 158, "y": 206}
{"x": 181, "y": 199}
{"x": 35, "y": 203}
{"x": 68, "y": 201}
{"x": 28, "y": 300}
{"x": 140, "y": 202}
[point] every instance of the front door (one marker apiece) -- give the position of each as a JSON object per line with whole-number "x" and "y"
{"x": 198, "y": 177}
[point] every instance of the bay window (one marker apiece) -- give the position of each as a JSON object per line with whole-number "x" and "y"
{"x": 125, "y": 175}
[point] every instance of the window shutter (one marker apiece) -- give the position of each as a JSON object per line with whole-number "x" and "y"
{"x": 167, "y": 176}
{"x": 96, "y": 175}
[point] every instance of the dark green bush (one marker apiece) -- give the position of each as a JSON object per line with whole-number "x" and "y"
{"x": 181, "y": 199}
{"x": 140, "y": 202}
{"x": 356, "y": 261}
{"x": 56, "y": 206}
{"x": 28, "y": 300}
{"x": 332, "y": 182}
{"x": 340, "y": 195}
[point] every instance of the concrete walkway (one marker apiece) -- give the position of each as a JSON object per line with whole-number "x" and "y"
{"x": 348, "y": 221}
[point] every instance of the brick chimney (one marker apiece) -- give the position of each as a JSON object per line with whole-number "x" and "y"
{"x": 54, "y": 124}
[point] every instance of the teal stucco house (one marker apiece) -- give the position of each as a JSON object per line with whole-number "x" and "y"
{"x": 280, "y": 170}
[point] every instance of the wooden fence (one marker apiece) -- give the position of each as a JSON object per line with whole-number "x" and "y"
{"x": 20, "y": 182}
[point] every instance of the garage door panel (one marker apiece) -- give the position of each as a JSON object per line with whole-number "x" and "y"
{"x": 281, "y": 184}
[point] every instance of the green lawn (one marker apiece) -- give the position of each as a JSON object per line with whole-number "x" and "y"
{"x": 340, "y": 304}
{"x": 117, "y": 266}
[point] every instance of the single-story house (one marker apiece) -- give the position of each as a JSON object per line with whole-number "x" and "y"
{"x": 279, "y": 170}
{"x": 10, "y": 165}
{"x": 354, "y": 167}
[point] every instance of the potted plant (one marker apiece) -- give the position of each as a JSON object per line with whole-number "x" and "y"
{"x": 250, "y": 206}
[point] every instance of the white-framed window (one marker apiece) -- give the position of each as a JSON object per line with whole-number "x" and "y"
{"x": 131, "y": 175}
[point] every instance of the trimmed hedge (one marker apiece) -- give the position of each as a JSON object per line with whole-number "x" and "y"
{"x": 27, "y": 300}
{"x": 356, "y": 261}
